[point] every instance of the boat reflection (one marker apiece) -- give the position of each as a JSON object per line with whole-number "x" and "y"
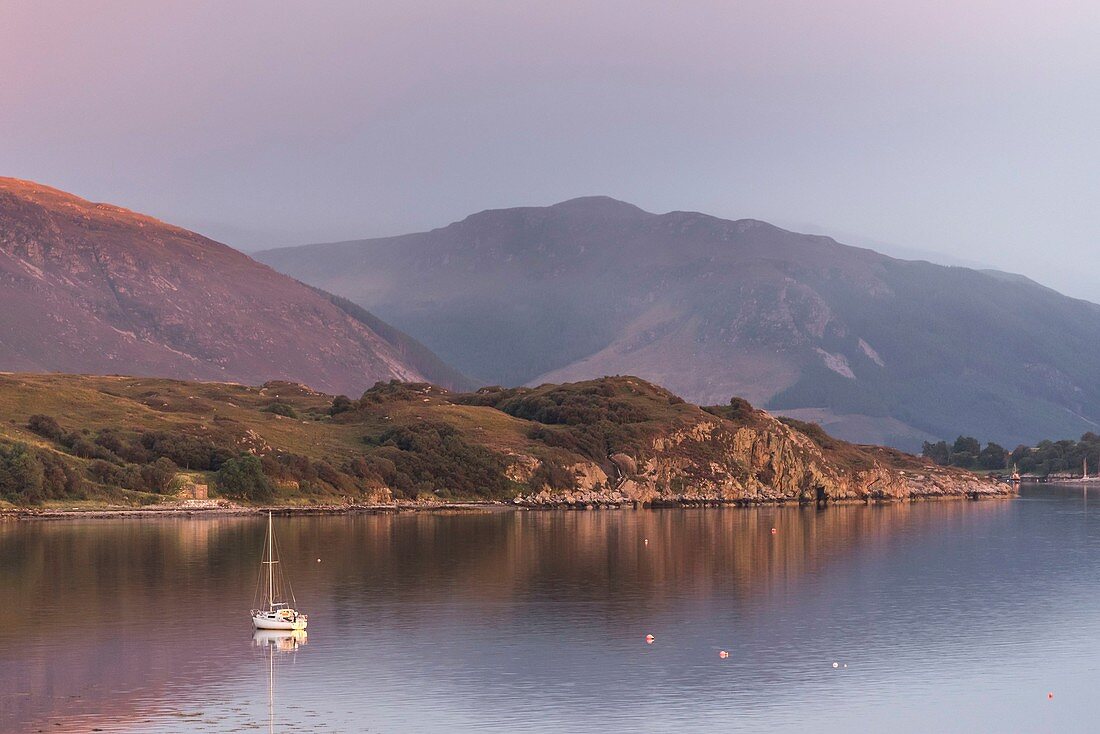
{"x": 273, "y": 641}
{"x": 280, "y": 640}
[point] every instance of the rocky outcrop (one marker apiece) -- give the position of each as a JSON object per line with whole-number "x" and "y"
{"x": 715, "y": 461}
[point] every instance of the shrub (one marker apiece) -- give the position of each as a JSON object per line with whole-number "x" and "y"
{"x": 45, "y": 426}
{"x": 341, "y": 404}
{"x": 283, "y": 409}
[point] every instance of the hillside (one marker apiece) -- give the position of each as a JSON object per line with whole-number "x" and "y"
{"x": 876, "y": 349}
{"x": 88, "y": 287}
{"x": 608, "y": 441}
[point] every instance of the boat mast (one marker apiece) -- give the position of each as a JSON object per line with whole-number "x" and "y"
{"x": 270, "y": 565}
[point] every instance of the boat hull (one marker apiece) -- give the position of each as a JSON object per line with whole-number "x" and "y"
{"x": 267, "y": 623}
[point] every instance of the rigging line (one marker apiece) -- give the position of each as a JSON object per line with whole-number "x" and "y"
{"x": 257, "y": 597}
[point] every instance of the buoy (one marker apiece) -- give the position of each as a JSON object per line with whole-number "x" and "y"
{"x": 649, "y": 639}
{"x": 774, "y": 531}
{"x": 836, "y": 665}
{"x": 1050, "y": 696}
{"x": 318, "y": 560}
{"x": 647, "y": 541}
{"x": 723, "y": 654}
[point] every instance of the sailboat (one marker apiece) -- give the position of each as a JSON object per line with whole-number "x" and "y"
{"x": 280, "y": 614}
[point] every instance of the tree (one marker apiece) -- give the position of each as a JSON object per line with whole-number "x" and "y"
{"x": 21, "y": 474}
{"x": 992, "y": 457}
{"x": 158, "y": 476}
{"x": 244, "y": 478}
{"x": 966, "y": 445}
{"x": 937, "y": 452}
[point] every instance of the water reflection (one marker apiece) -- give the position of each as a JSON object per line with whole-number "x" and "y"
{"x": 534, "y": 621}
{"x": 280, "y": 640}
{"x": 276, "y": 641}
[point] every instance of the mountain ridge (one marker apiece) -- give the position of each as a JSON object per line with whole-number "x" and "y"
{"x": 882, "y": 350}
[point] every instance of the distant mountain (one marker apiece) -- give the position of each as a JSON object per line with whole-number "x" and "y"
{"x": 94, "y": 288}
{"x": 876, "y": 349}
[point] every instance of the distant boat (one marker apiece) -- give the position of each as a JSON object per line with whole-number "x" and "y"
{"x": 280, "y": 614}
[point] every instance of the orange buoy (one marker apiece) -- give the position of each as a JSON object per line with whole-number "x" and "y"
{"x": 723, "y": 654}
{"x": 649, "y": 639}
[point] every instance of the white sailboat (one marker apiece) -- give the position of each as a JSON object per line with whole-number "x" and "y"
{"x": 280, "y": 613}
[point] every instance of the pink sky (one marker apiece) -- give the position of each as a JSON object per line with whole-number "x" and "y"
{"x": 962, "y": 127}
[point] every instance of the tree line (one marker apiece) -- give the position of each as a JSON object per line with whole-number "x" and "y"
{"x": 1043, "y": 459}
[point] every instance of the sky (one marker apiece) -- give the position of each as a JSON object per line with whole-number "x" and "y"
{"x": 963, "y": 129}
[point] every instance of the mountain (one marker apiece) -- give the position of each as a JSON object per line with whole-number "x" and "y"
{"x": 88, "y": 287}
{"x": 876, "y": 349}
{"x": 608, "y": 441}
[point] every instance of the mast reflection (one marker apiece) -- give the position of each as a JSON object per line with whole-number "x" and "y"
{"x": 276, "y": 641}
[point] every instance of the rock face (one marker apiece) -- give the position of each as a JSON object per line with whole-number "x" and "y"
{"x": 667, "y": 452}
{"x": 761, "y": 465}
{"x": 878, "y": 350}
{"x": 94, "y": 288}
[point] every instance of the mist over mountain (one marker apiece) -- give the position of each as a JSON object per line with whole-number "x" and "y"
{"x": 875, "y": 348}
{"x": 94, "y": 288}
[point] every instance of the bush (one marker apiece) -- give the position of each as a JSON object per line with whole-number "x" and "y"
{"x": 45, "y": 426}
{"x": 739, "y": 410}
{"x": 283, "y": 409}
{"x": 341, "y": 404}
{"x": 570, "y": 405}
{"x": 243, "y": 478}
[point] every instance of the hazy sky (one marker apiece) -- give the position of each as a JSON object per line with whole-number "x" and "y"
{"x": 968, "y": 127}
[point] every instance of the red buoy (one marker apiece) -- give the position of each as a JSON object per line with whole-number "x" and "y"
{"x": 723, "y": 654}
{"x": 774, "y": 531}
{"x": 1050, "y": 696}
{"x": 649, "y": 639}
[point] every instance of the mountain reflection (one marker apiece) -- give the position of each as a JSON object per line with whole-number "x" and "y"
{"x": 115, "y": 621}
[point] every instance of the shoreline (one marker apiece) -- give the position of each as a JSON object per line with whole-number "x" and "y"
{"x": 138, "y": 513}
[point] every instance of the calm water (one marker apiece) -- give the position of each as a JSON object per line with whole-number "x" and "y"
{"x": 949, "y": 616}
